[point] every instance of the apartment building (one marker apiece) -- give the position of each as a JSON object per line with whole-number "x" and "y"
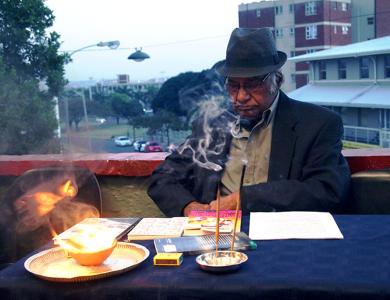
{"x": 307, "y": 26}
{"x": 353, "y": 80}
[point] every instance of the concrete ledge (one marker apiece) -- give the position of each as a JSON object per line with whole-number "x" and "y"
{"x": 119, "y": 164}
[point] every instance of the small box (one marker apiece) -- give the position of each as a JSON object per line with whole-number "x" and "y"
{"x": 168, "y": 259}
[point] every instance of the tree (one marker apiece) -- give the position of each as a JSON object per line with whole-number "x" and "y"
{"x": 124, "y": 106}
{"x": 181, "y": 95}
{"x": 29, "y": 57}
{"x": 26, "y": 45}
{"x": 26, "y": 126}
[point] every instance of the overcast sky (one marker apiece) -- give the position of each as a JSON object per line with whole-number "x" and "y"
{"x": 164, "y": 29}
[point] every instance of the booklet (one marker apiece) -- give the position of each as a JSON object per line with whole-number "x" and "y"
{"x": 110, "y": 228}
{"x": 151, "y": 228}
{"x": 203, "y": 222}
{"x": 293, "y": 225}
{"x": 200, "y": 244}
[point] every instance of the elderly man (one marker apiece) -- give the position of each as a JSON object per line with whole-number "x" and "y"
{"x": 285, "y": 153}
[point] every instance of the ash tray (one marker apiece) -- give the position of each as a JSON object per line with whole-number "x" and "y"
{"x": 226, "y": 261}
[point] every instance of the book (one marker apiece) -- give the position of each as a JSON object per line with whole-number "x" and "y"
{"x": 203, "y": 222}
{"x": 109, "y": 228}
{"x": 151, "y": 228}
{"x": 205, "y": 243}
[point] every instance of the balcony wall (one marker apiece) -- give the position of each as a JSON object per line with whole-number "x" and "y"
{"x": 124, "y": 177}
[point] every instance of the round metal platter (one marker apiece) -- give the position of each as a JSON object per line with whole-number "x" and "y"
{"x": 55, "y": 265}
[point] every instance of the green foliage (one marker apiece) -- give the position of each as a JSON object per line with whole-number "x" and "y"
{"x": 168, "y": 96}
{"x": 26, "y": 45}
{"x": 27, "y": 118}
{"x": 182, "y": 94}
{"x": 28, "y": 55}
{"x": 125, "y": 107}
{"x": 161, "y": 122}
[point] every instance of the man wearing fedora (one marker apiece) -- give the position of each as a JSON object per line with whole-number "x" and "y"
{"x": 277, "y": 153}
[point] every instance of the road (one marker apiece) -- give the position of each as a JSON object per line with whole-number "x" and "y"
{"x": 95, "y": 145}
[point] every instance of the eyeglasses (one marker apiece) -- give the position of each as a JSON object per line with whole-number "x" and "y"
{"x": 250, "y": 87}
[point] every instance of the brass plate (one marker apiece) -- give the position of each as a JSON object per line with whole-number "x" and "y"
{"x": 55, "y": 265}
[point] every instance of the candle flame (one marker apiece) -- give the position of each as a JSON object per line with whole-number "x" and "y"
{"x": 87, "y": 240}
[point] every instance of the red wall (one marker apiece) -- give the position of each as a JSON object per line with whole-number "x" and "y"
{"x": 382, "y": 8}
{"x": 143, "y": 164}
{"x": 248, "y": 19}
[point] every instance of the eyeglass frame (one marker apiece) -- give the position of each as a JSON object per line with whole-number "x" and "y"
{"x": 250, "y": 90}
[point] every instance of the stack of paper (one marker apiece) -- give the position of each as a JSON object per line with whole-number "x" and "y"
{"x": 293, "y": 225}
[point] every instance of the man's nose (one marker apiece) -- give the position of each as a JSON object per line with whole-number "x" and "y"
{"x": 242, "y": 95}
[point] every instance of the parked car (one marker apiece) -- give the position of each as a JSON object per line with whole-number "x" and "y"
{"x": 152, "y": 147}
{"x": 122, "y": 141}
{"x": 138, "y": 143}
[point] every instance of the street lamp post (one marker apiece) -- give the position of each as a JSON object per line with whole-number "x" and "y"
{"x": 112, "y": 45}
{"x": 137, "y": 56}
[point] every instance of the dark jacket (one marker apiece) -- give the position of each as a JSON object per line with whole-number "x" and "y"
{"x": 307, "y": 170}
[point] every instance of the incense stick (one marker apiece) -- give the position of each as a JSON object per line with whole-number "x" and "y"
{"x": 217, "y": 222}
{"x": 238, "y": 204}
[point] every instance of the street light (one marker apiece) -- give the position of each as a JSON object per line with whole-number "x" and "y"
{"x": 138, "y": 55}
{"x": 110, "y": 44}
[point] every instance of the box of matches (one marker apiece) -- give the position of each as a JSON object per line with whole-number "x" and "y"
{"x": 168, "y": 259}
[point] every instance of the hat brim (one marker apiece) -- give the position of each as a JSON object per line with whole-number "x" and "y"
{"x": 226, "y": 71}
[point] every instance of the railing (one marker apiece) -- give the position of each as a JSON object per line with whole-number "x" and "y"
{"x": 368, "y": 135}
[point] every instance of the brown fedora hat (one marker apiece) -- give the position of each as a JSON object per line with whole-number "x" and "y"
{"x": 251, "y": 52}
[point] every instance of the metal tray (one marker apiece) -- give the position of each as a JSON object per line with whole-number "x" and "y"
{"x": 55, "y": 265}
{"x": 226, "y": 261}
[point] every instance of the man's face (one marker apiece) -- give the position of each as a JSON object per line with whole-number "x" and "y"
{"x": 250, "y": 96}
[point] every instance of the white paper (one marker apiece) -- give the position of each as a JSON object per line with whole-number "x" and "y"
{"x": 293, "y": 225}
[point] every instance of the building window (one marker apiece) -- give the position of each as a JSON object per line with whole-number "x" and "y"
{"x": 387, "y": 66}
{"x": 292, "y": 78}
{"x": 292, "y": 31}
{"x": 344, "y": 6}
{"x": 291, "y": 8}
{"x": 310, "y": 8}
{"x": 322, "y": 70}
{"x": 342, "y": 68}
{"x": 308, "y": 51}
{"x": 364, "y": 65}
{"x": 278, "y": 10}
{"x": 334, "y": 5}
{"x": 370, "y": 20}
{"x": 258, "y": 12}
{"x": 311, "y": 32}
{"x": 344, "y": 29}
{"x": 292, "y": 53}
{"x": 335, "y": 29}
{"x": 279, "y": 32}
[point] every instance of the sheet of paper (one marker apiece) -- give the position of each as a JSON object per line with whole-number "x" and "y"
{"x": 293, "y": 225}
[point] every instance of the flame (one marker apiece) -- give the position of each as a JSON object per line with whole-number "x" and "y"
{"x": 68, "y": 189}
{"x": 88, "y": 239}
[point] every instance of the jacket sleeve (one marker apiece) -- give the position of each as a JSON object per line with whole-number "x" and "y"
{"x": 322, "y": 183}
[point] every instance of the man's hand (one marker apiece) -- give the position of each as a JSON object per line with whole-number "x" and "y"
{"x": 228, "y": 202}
{"x": 194, "y": 206}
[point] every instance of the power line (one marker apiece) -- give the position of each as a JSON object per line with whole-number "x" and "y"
{"x": 158, "y": 45}
{"x": 213, "y": 37}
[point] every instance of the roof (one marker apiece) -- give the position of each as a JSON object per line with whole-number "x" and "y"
{"x": 370, "y": 47}
{"x": 352, "y": 95}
